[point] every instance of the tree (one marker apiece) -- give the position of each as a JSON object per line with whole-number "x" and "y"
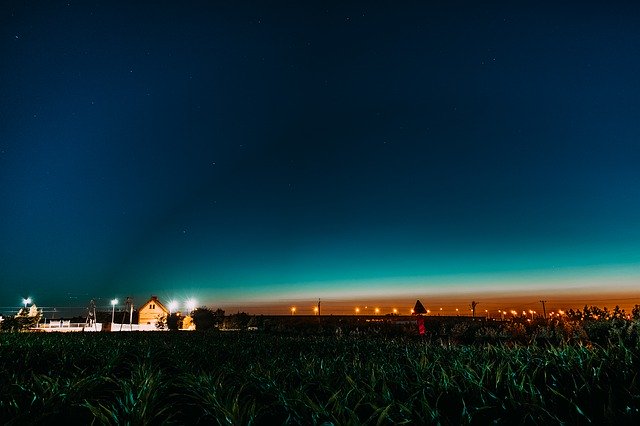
{"x": 239, "y": 321}
{"x": 23, "y": 320}
{"x": 161, "y": 322}
{"x": 174, "y": 322}
{"x": 219, "y": 317}
{"x": 204, "y": 318}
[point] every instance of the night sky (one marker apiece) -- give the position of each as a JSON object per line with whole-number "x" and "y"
{"x": 265, "y": 151}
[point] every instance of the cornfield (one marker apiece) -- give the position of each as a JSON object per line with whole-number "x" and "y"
{"x": 254, "y": 378}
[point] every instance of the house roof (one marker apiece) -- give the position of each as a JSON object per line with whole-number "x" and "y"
{"x": 155, "y": 300}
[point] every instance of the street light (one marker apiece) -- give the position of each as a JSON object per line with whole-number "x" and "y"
{"x": 357, "y": 311}
{"x": 191, "y": 305}
{"x": 377, "y": 310}
{"x": 26, "y": 302}
{"x": 114, "y": 302}
{"x": 316, "y": 310}
{"x": 293, "y": 310}
{"x": 173, "y": 305}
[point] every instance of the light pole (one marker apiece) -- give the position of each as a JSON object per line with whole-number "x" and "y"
{"x": 26, "y": 302}
{"x": 172, "y": 306}
{"x": 114, "y": 302}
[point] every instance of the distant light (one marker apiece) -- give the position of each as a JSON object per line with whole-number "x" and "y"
{"x": 114, "y": 302}
{"x": 26, "y": 301}
{"x": 377, "y": 310}
{"x": 395, "y": 311}
{"x": 357, "y": 310}
{"x": 173, "y": 305}
{"x": 293, "y": 310}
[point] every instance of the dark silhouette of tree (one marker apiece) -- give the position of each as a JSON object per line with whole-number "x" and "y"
{"x": 23, "y": 320}
{"x": 174, "y": 322}
{"x": 204, "y": 319}
{"x": 239, "y": 321}
{"x": 161, "y": 324}
{"x": 219, "y": 317}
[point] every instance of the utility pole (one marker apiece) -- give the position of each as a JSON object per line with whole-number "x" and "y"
{"x": 131, "y": 315}
{"x": 128, "y": 306}
{"x": 544, "y": 310}
{"x": 473, "y": 308}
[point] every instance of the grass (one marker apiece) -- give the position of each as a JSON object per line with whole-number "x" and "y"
{"x": 253, "y": 378}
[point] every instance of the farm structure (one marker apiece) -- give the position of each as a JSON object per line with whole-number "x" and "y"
{"x": 151, "y": 312}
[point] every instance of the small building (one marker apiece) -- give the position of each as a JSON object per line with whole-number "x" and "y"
{"x": 150, "y": 312}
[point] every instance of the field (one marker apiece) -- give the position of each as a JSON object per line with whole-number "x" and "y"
{"x": 258, "y": 378}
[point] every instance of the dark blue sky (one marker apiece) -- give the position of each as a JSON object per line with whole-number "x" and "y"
{"x": 245, "y": 151}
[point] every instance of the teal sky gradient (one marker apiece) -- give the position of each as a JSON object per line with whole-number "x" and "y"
{"x": 245, "y": 151}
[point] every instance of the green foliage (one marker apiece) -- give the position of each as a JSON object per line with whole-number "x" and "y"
{"x": 239, "y": 321}
{"x": 174, "y": 322}
{"x": 258, "y": 378}
{"x": 207, "y": 319}
{"x": 20, "y": 322}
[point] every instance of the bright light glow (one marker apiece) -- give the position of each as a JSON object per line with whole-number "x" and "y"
{"x": 26, "y": 301}
{"x": 293, "y": 310}
{"x": 191, "y": 304}
{"x": 114, "y": 302}
{"x": 395, "y": 311}
{"x": 357, "y": 310}
{"x": 377, "y": 310}
{"x": 173, "y": 305}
